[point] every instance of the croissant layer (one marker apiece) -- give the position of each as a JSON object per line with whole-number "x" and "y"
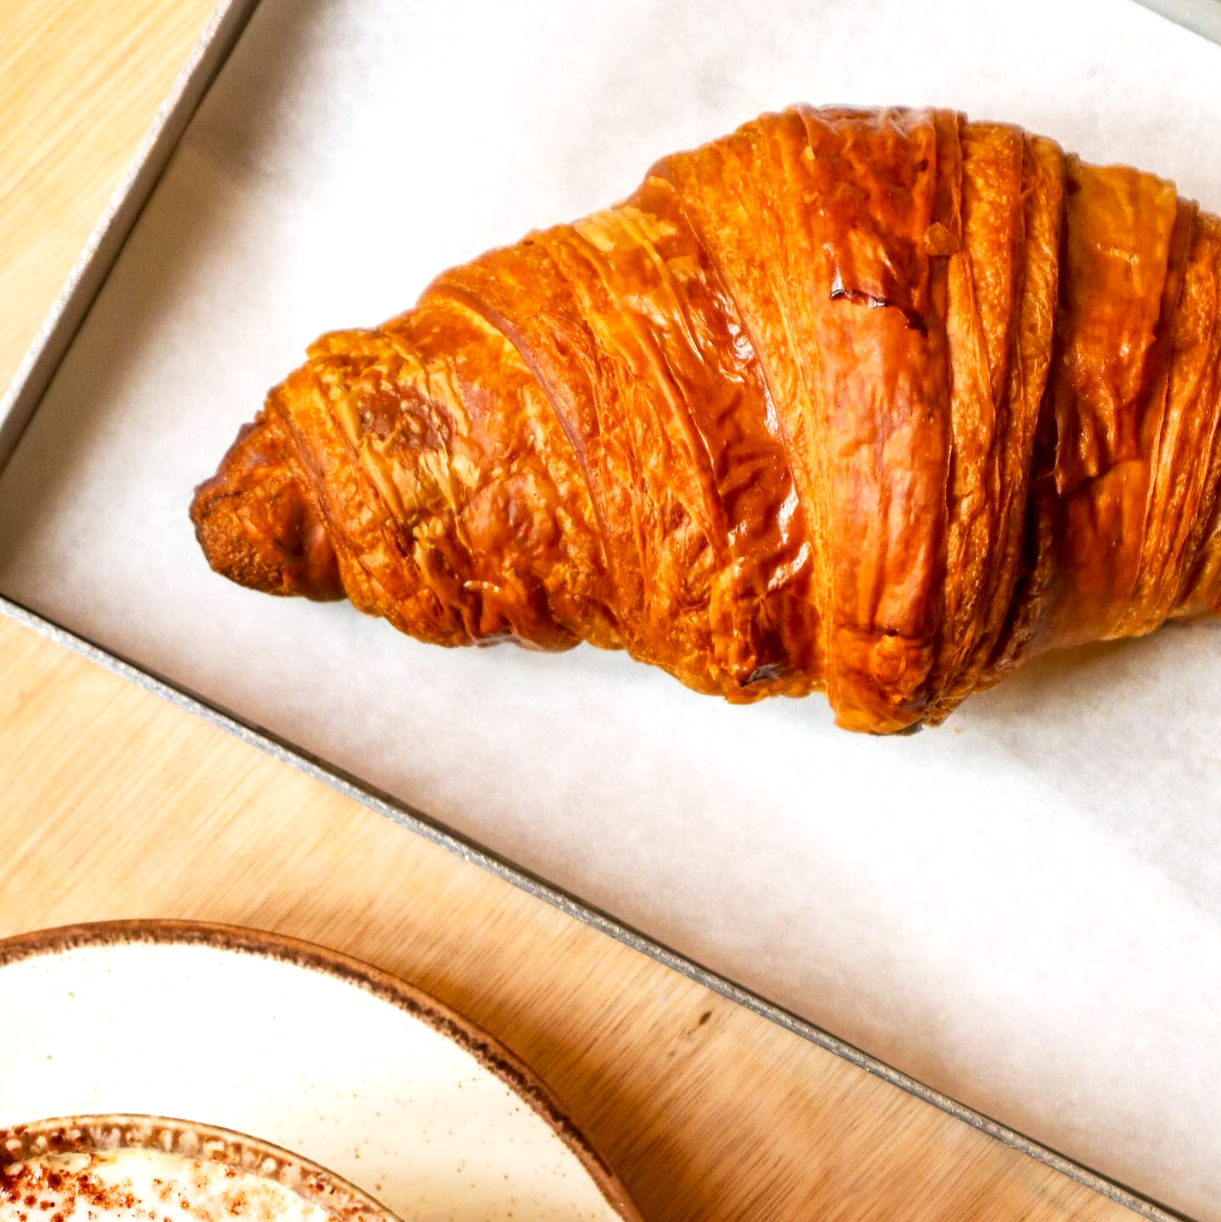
{"x": 879, "y": 403}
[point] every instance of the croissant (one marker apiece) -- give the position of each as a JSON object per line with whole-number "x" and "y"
{"x": 879, "y": 403}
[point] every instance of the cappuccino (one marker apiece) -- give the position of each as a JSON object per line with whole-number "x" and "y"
{"x": 144, "y": 1186}
{"x": 146, "y": 1169}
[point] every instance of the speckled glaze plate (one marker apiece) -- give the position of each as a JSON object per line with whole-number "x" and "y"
{"x": 299, "y": 1046}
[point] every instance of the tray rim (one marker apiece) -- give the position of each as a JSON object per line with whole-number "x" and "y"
{"x": 89, "y": 273}
{"x": 21, "y": 401}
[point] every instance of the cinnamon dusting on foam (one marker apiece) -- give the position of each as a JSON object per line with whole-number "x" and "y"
{"x": 144, "y": 1186}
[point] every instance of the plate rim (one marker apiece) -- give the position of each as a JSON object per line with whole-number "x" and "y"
{"x": 491, "y": 1054}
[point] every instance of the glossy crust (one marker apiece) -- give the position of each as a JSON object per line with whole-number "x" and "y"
{"x": 879, "y": 403}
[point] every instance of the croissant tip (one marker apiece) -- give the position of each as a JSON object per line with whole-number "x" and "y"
{"x": 297, "y": 561}
{"x": 258, "y": 527}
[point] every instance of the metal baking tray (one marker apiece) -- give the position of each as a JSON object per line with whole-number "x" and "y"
{"x": 22, "y": 399}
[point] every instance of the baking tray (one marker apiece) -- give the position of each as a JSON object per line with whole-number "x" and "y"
{"x": 21, "y": 402}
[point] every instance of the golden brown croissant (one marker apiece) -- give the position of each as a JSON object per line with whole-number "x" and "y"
{"x": 880, "y": 403}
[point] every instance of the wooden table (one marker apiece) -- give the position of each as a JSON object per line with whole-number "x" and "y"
{"x": 116, "y": 804}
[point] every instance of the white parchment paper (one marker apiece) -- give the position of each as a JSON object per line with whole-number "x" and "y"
{"x": 1022, "y": 909}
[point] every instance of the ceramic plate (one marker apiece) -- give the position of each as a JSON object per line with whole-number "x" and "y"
{"x": 299, "y": 1046}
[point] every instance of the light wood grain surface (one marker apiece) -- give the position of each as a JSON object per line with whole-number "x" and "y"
{"x": 115, "y": 804}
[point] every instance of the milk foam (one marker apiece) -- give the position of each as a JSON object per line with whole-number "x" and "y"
{"x": 134, "y": 1185}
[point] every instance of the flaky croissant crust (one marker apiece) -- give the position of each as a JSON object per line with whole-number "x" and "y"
{"x": 879, "y": 403}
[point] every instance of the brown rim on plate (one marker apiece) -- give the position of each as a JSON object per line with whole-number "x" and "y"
{"x": 488, "y": 1051}
{"x": 100, "y": 1134}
